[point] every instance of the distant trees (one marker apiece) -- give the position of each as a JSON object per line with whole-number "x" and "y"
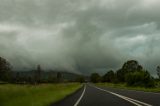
{"x": 17, "y": 78}
{"x": 134, "y": 75}
{"x": 59, "y": 77}
{"x": 128, "y": 67}
{"x": 131, "y": 73}
{"x": 158, "y": 71}
{"x": 51, "y": 79}
{"x": 95, "y": 77}
{"x": 5, "y": 69}
{"x": 80, "y": 79}
{"x": 37, "y": 76}
{"x": 109, "y": 77}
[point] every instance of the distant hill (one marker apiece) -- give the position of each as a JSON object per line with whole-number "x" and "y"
{"x": 45, "y": 75}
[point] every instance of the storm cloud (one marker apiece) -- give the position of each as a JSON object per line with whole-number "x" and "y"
{"x": 81, "y": 36}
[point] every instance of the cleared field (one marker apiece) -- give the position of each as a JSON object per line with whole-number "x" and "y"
{"x": 30, "y": 95}
{"x": 124, "y": 86}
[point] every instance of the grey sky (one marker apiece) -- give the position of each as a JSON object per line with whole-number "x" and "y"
{"x": 80, "y": 35}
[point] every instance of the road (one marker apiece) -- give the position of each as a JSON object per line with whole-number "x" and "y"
{"x": 91, "y": 95}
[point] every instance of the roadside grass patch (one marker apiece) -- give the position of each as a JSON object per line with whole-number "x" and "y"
{"x": 31, "y": 95}
{"x": 124, "y": 86}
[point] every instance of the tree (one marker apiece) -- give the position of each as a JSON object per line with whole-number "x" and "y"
{"x": 158, "y": 71}
{"x": 128, "y": 67}
{"x": 38, "y": 74}
{"x": 80, "y": 79}
{"x": 131, "y": 66}
{"x": 139, "y": 78}
{"x": 95, "y": 77}
{"x": 51, "y": 78}
{"x": 5, "y": 69}
{"x": 59, "y": 77}
{"x": 108, "y": 77}
{"x": 17, "y": 77}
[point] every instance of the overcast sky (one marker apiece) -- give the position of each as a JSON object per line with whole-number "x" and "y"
{"x": 82, "y": 36}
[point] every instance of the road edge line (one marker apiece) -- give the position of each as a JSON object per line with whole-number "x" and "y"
{"x": 125, "y": 98}
{"x": 77, "y": 102}
{"x": 155, "y": 93}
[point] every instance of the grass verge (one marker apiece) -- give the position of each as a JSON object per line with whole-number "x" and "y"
{"x": 124, "y": 86}
{"x": 30, "y": 95}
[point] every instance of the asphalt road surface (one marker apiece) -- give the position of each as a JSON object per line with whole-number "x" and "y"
{"x": 90, "y": 95}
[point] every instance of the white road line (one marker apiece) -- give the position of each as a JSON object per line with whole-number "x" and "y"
{"x": 133, "y": 101}
{"x": 142, "y": 91}
{"x": 77, "y": 102}
{"x": 126, "y": 99}
{"x": 139, "y": 102}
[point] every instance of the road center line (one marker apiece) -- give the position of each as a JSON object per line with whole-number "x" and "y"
{"x": 133, "y": 101}
{"x": 77, "y": 102}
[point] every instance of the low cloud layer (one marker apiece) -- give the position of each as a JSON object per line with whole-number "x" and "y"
{"x": 82, "y": 36}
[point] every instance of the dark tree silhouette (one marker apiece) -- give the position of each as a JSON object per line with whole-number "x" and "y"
{"x": 109, "y": 77}
{"x": 128, "y": 67}
{"x": 95, "y": 77}
{"x": 139, "y": 78}
{"x": 38, "y": 74}
{"x": 59, "y": 76}
{"x": 51, "y": 78}
{"x": 5, "y": 69}
{"x": 18, "y": 77}
{"x": 80, "y": 79}
{"x": 158, "y": 71}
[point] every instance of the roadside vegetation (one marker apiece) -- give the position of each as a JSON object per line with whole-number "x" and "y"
{"x": 130, "y": 76}
{"x": 35, "y": 87}
{"x": 125, "y": 86}
{"x": 31, "y": 95}
{"x": 40, "y": 88}
{"x": 35, "y": 76}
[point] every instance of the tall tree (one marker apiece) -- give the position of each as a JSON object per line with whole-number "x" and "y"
{"x": 128, "y": 67}
{"x": 59, "y": 76}
{"x": 158, "y": 71}
{"x": 38, "y": 74}
{"x": 18, "y": 77}
{"x": 5, "y": 68}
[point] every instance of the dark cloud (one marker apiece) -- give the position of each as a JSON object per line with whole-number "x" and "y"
{"x": 80, "y": 36}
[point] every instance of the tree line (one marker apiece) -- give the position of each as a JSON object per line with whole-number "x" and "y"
{"x": 35, "y": 76}
{"x": 131, "y": 73}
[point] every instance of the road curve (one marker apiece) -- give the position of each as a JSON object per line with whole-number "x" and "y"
{"x": 90, "y": 95}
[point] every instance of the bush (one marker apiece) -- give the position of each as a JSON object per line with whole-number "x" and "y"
{"x": 80, "y": 79}
{"x": 95, "y": 77}
{"x": 109, "y": 77}
{"x": 139, "y": 78}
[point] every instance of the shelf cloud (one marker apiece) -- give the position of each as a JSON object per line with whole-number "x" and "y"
{"x": 82, "y": 36}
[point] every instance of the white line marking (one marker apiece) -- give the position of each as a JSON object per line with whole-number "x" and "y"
{"x": 76, "y": 104}
{"x": 136, "y": 102}
{"x": 139, "y": 102}
{"x": 141, "y": 91}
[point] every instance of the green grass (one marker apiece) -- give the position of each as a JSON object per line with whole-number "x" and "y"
{"x": 124, "y": 86}
{"x": 30, "y": 95}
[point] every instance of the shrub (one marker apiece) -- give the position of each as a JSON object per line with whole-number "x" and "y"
{"x": 80, "y": 79}
{"x": 95, "y": 77}
{"x": 139, "y": 78}
{"x": 109, "y": 77}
